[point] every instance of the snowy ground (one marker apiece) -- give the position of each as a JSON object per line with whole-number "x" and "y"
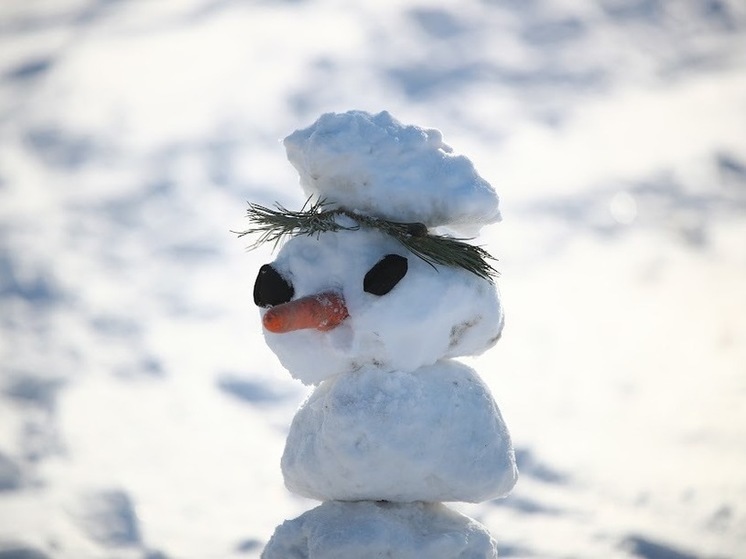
{"x": 141, "y": 414}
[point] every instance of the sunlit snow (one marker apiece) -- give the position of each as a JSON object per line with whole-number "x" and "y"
{"x": 142, "y": 414}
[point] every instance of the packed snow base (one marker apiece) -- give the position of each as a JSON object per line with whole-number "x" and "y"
{"x": 370, "y": 530}
{"x": 393, "y": 418}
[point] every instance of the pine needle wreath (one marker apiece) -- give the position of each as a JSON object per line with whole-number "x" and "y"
{"x": 317, "y": 217}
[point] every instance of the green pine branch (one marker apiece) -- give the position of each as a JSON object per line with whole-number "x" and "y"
{"x": 317, "y": 217}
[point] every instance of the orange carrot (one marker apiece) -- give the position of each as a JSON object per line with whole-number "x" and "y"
{"x": 322, "y": 311}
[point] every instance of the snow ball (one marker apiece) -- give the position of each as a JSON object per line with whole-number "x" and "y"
{"x": 369, "y": 530}
{"x": 377, "y": 166}
{"x": 429, "y": 314}
{"x": 434, "y": 434}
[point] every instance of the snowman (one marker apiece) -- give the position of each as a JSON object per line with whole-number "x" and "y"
{"x": 370, "y": 300}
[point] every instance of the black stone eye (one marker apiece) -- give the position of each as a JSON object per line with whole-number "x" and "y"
{"x": 382, "y": 277}
{"x": 271, "y": 288}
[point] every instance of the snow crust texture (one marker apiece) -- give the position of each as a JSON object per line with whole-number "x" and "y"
{"x": 430, "y": 314}
{"x": 434, "y": 434}
{"x": 378, "y": 166}
{"x": 370, "y": 530}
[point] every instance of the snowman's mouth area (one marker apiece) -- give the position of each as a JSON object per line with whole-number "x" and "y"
{"x": 322, "y": 311}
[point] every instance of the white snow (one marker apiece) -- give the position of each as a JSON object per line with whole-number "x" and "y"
{"x": 430, "y": 314}
{"x": 367, "y": 530}
{"x": 132, "y": 134}
{"x": 376, "y": 165}
{"x": 433, "y": 434}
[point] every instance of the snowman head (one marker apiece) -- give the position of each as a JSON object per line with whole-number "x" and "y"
{"x": 363, "y": 282}
{"x": 349, "y": 300}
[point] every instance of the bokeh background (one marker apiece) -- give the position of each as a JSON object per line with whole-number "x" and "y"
{"x": 141, "y": 414}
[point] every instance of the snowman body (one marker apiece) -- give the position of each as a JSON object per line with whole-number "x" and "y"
{"x": 433, "y": 434}
{"x": 395, "y": 426}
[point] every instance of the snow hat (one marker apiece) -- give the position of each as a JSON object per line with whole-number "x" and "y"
{"x": 375, "y": 165}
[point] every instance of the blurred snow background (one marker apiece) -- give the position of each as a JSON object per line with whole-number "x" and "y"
{"x": 141, "y": 414}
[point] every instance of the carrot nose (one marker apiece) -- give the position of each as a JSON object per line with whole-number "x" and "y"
{"x": 322, "y": 311}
